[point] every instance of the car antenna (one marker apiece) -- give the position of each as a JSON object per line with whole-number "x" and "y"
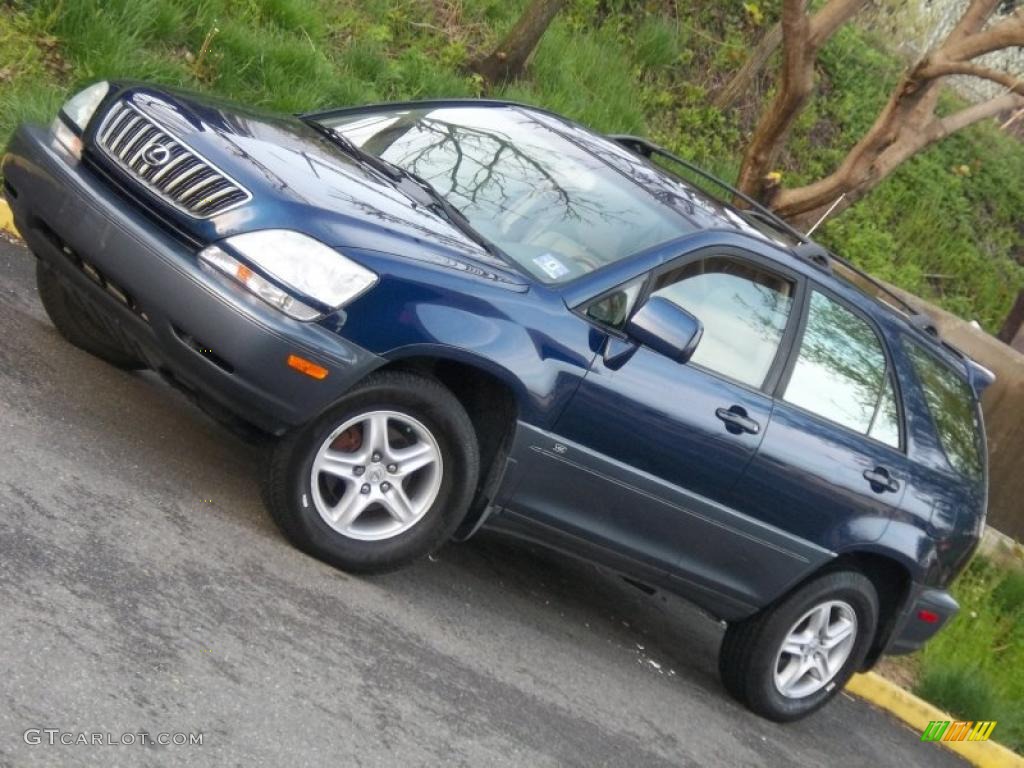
{"x": 826, "y": 214}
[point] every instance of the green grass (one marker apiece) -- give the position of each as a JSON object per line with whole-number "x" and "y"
{"x": 974, "y": 668}
{"x": 946, "y": 226}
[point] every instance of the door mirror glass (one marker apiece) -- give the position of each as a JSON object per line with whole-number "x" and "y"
{"x": 666, "y": 328}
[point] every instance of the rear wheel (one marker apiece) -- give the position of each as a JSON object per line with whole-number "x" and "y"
{"x": 75, "y": 324}
{"x": 381, "y": 479}
{"x": 790, "y": 659}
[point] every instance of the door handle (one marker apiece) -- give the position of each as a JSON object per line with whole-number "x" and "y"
{"x": 737, "y": 421}
{"x": 880, "y": 480}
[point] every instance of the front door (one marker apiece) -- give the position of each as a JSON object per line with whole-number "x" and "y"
{"x": 646, "y": 455}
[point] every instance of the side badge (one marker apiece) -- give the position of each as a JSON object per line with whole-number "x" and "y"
{"x": 560, "y": 449}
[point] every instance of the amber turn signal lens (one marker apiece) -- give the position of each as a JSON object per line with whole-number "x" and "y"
{"x": 308, "y": 367}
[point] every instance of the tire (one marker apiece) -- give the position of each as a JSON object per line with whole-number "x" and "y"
{"x": 755, "y": 669}
{"x": 75, "y": 324}
{"x": 311, "y": 472}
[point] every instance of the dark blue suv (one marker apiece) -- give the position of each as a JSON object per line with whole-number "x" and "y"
{"x": 460, "y": 314}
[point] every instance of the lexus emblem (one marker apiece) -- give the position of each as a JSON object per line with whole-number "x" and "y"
{"x": 156, "y": 155}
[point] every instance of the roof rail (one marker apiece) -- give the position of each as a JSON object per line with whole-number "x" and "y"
{"x": 807, "y": 249}
{"x": 646, "y": 147}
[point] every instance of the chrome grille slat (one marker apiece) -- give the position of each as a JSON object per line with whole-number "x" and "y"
{"x": 200, "y": 185}
{"x": 174, "y": 163}
{"x": 188, "y": 181}
{"x": 124, "y": 134}
{"x": 187, "y": 174}
{"x": 149, "y": 137}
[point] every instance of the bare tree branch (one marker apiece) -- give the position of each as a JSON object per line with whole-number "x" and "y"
{"x": 977, "y": 112}
{"x": 937, "y": 69}
{"x": 831, "y": 17}
{"x": 1007, "y": 33}
{"x": 973, "y": 19}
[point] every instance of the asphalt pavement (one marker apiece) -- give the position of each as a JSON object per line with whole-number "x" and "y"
{"x": 143, "y": 588}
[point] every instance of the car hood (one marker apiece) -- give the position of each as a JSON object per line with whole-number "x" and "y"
{"x": 301, "y": 180}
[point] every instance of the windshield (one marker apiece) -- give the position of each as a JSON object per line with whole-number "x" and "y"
{"x": 556, "y": 209}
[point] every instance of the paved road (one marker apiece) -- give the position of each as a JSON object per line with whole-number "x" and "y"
{"x": 143, "y": 588}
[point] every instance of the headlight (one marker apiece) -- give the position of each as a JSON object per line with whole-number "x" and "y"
{"x": 75, "y": 115}
{"x": 79, "y": 109}
{"x": 304, "y": 265}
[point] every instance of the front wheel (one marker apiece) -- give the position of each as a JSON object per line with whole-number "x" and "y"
{"x": 381, "y": 479}
{"x": 790, "y": 659}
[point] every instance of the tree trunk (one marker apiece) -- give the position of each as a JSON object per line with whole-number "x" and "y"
{"x": 508, "y": 60}
{"x": 802, "y": 37}
{"x": 741, "y": 82}
{"x": 1014, "y": 320}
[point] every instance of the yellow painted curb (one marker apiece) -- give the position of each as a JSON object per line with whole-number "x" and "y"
{"x": 6, "y": 219}
{"x": 917, "y": 713}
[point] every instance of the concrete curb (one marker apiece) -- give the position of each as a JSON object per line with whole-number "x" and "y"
{"x": 917, "y": 713}
{"x": 7, "y": 220}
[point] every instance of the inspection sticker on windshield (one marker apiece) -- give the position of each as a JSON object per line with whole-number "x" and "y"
{"x": 552, "y": 267}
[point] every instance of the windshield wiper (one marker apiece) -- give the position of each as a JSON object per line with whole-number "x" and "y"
{"x": 414, "y": 185}
{"x": 354, "y": 150}
{"x": 438, "y": 203}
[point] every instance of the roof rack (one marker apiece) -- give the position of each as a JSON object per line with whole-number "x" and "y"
{"x": 647, "y": 148}
{"x": 806, "y": 249}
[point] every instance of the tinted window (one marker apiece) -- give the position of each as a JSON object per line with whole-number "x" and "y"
{"x": 555, "y": 208}
{"x": 841, "y": 373}
{"x": 953, "y": 409}
{"x": 744, "y": 311}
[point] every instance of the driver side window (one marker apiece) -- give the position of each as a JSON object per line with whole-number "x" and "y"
{"x": 744, "y": 310}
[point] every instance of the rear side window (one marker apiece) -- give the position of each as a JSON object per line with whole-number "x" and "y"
{"x": 841, "y": 373}
{"x": 954, "y": 411}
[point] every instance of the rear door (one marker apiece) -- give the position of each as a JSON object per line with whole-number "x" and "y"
{"x": 832, "y": 468}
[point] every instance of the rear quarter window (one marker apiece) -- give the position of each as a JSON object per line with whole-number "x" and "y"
{"x": 954, "y": 412}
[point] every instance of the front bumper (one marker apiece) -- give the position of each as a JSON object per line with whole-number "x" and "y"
{"x": 928, "y": 611}
{"x": 205, "y": 333}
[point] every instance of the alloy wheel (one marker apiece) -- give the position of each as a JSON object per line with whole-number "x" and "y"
{"x": 376, "y": 475}
{"x": 815, "y": 649}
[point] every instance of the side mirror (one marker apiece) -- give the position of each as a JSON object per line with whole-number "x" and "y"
{"x": 666, "y": 328}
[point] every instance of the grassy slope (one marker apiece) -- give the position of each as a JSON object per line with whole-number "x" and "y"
{"x": 944, "y": 227}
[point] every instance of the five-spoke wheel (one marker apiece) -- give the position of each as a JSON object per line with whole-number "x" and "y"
{"x": 381, "y": 479}
{"x": 376, "y": 475}
{"x": 815, "y": 649}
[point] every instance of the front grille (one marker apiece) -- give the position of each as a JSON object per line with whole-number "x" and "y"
{"x": 165, "y": 166}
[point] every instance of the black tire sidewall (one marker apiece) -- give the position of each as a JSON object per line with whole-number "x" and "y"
{"x": 762, "y": 695}
{"x": 438, "y": 411}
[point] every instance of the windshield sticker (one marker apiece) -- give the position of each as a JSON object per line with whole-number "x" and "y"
{"x": 552, "y": 267}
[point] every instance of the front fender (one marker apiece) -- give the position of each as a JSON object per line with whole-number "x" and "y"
{"x": 527, "y": 339}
